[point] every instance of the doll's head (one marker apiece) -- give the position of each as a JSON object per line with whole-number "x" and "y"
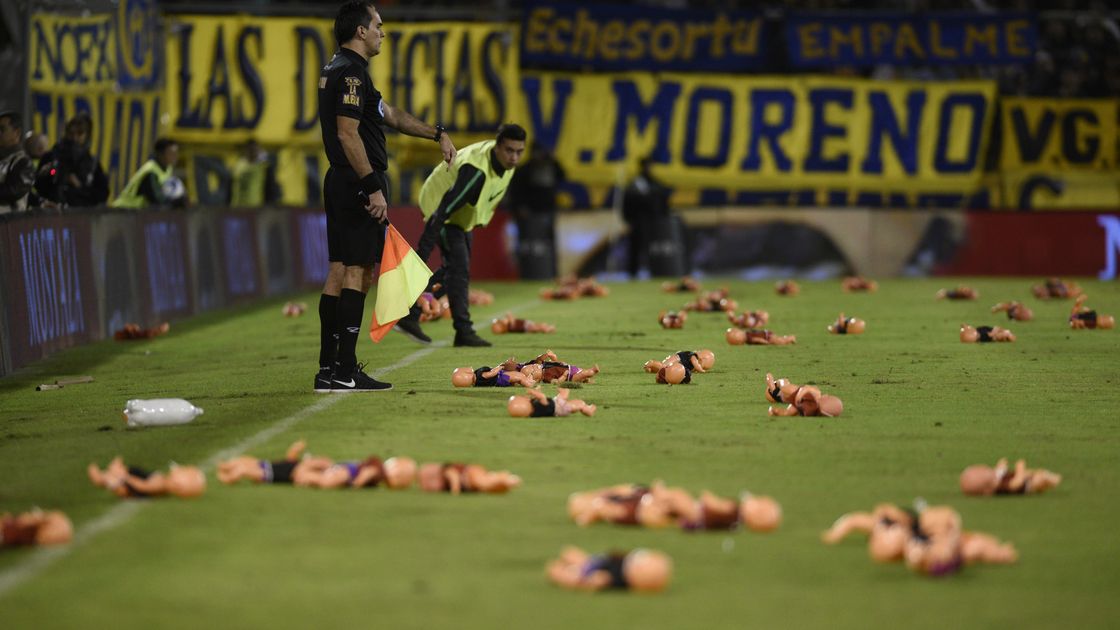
{"x": 887, "y": 543}
{"x": 707, "y": 358}
{"x": 499, "y": 326}
{"x": 533, "y": 371}
{"x": 736, "y": 337}
{"x": 431, "y": 478}
{"x": 672, "y": 374}
{"x": 760, "y": 513}
{"x": 1106, "y": 321}
{"x": 969, "y": 334}
{"x": 520, "y": 406}
{"x": 463, "y": 377}
{"x": 399, "y": 472}
{"x": 185, "y": 481}
{"x": 647, "y": 570}
{"x": 56, "y": 529}
{"x": 830, "y": 406}
{"x": 979, "y": 480}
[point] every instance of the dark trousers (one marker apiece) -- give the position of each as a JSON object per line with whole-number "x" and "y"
{"x": 454, "y": 276}
{"x": 639, "y": 238}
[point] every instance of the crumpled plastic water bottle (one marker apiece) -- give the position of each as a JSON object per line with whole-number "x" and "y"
{"x": 159, "y": 412}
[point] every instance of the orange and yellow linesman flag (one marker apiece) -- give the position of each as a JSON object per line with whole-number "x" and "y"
{"x": 403, "y": 278}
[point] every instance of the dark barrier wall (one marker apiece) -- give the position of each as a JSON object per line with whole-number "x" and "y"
{"x": 78, "y": 277}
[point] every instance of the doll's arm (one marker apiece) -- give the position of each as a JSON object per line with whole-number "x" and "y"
{"x": 155, "y": 484}
{"x": 295, "y": 450}
{"x": 861, "y": 522}
{"x": 1019, "y": 477}
{"x": 538, "y": 394}
{"x": 517, "y": 378}
{"x": 492, "y": 373}
{"x": 696, "y": 365}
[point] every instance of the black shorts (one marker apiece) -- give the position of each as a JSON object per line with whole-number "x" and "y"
{"x": 353, "y": 237}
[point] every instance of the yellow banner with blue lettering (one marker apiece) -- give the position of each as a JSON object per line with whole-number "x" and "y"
{"x": 830, "y": 140}
{"x": 103, "y": 64}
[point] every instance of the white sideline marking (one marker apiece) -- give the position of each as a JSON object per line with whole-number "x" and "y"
{"x": 38, "y": 560}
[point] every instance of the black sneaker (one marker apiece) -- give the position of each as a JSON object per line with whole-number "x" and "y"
{"x": 411, "y": 327}
{"x": 471, "y": 339}
{"x": 323, "y": 381}
{"x": 357, "y": 381}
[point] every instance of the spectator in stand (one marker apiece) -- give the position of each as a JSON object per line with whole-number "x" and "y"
{"x": 534, "y": 189}
{"x": 17, "y": 171}
{"x": 69, "y": 175}
{"x": 643, "y": 202}
{"x": 154, "y": 184}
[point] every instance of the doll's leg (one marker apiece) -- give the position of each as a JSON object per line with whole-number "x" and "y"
{"x": 585, "y": 374}
{"x": 239, "y": 468}
{"x": 295, "y": 450}
{"x": 981, "y": 547}
{"x": 517, "y": 378}
{"x": 493, "y": 482}
{"x": 583, "y": 407}
{"x": 778, "y": 411}
{"x": 861, "y": 522}
{"x": 1042, "y": 480}
{"x": 653, "y": 366}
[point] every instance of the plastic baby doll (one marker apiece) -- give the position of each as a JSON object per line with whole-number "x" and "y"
{"x": 737, "y": 337}
{"x": 486, "y": 376}
{"x": 458, "y": 478}
{"x": 570, "y": 292}
{"x": 626, "y": 504}
{"x": 787, "y": 287}
{"x": 938, "y": 546}
{"x": 395, "y": 473}
{"x": 985, "y": 481}
{"x": 293, "y": 309}
{"x": 131, "y": 482}
{"x": 674, "y": 374}
{"x": 588, "y": 287}
{"x": 780, "y": 390}
{"x": 1057, "y": 289}
{"x": 555, "y": 371}
{"x": 809, "y": 401}
{"x": 36, "y": 527}
{"x": 686, "y": 284}
{"x": 511, "y": 364}
{"x": 847, "y": 326}
{"x": 960, "y": 293}
{"x": 1016, "y": 311}
{"x": 134, "y": 331}
{"x": 1082, "y": 317}
{"x": 985, "y": 334}
{"x": 478, "y": 297}
{"x": 537, "y": 405}
{"x": 642, "y": 570}
{"x": 292, "y": 469}
{"x": 865, "y": 522}
{"x": 510, "y": 324}
{"x": 749, "y": 319}
{"x": 672, "y": 319}
{"x": 698, "y": 360}
{"x": 853, "y": 284}
{"x": 712, "y": 301}
{"x": 712, "y": 512}
{"x": 431, "y": 308}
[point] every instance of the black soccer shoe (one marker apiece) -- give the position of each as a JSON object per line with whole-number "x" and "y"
{"x": 357, "y": 381}
{"x": 470, "y": 339}
{"x": 323, "y": 381}
{"x": 410, "y": 326}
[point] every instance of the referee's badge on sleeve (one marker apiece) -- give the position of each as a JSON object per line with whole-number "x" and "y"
{"x": 352, "y": 98}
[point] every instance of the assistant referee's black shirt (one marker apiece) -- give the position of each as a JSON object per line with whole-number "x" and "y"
{"x": 345, "y": 89}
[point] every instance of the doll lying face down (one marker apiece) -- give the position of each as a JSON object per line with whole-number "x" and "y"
{"x": 36, "y": 527}
{"x": 132, "y": 482}
{"x": 749, "y": 319}
{"x": 737, "y": 337}
{"x": 1084, "y": 318}
{"x": 537, "y": 405}
{"x": 486, "y": 376}
{"x": 458, "y": 478}
{"x": 981, "y": 480}
{"x": 1016, "y": 311}
{"x": 642, "y": 570}
{"x": 1056, "y": 289}
{"x": 511, "y": 324}
{"x": 672, "y": 319}
{"x": 847, "y": 326}
{"x": 985, "y": 334}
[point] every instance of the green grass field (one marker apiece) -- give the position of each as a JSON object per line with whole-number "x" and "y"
{"x": 919, "y": 406}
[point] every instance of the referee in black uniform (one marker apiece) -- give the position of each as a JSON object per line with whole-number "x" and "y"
{"x": 356, "y": 190}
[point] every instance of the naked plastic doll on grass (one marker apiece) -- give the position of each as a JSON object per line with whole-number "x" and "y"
{"x": 486, "y": 376}
{"x": 985, "y": 334}
{"x": 847, "y": 326}
{"x": 395, "y": 473}
{"x": 749, "y": 319}
{"x": 624, "y": 504}
{"x": 712, "y": 302}
{"x": 538, "y": 405}
{"x": 738, "y": 337}
{"x": 641, "y": 570}
{"x": 1016, "y": 311}
{"x": 693, "y": 360}
{"x": 460, "y": 478}
{"x": 855, "y": 284}
{"x": 940, "y": 547}
{"x": 291, "y": 470}
{"x": 686, "y": 284}
{"x": 1082, "y": 317}
{"x": 712, "y": 512}
{"x": 788, "y": 288}
{"x": 511, "y": 324}
{"x": 672, "y": 319}
{"x": 132, "y": 482}
{"x": 872, "y": 524}
{"x": 559, "y": 293}
{"x": 430, "y": 307}
{"x": 780, "y": 390}
{"x": 1056, "y": 289}
{"x": 558, "y": 372}
{"x": 981, "y": 480}
{"x": 960, "y": 293}
{"x": 809, "y": 401}
{"x": 35, "y": 527}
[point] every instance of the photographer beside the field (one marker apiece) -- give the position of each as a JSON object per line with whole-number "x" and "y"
{"x": 153, "y": 184}
{"x": 17, "y": 171}
{"x": 69, "y": 175}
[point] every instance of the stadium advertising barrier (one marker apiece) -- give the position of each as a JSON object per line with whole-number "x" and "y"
{"x": 232, "y": 78}
{"x": 604, "y": 37}
{"x": 816, "y": 141}
{"x": 107, "y": 65}
{"x": 1059, "y": 153}
{"x": 861, "y": 40}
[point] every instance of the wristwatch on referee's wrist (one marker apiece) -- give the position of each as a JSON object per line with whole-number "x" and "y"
{"x": 439, "y": 132}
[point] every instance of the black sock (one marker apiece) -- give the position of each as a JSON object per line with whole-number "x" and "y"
{"x": 328, "y": 330}
{"x": 351, "y": 303}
